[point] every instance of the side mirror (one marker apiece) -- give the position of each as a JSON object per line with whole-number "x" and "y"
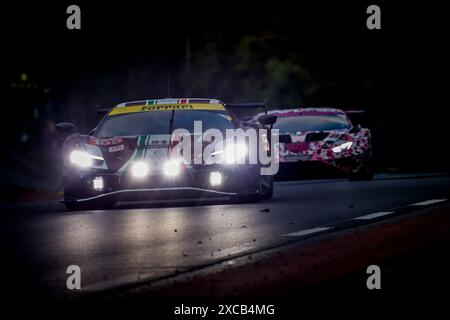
{"x": 65, "y": 128}
{"x": 267, "y": 119}
{"x": 355, "y": 129}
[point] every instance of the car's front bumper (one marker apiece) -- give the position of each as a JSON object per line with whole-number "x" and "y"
{"x": 194, "y": 183}
{"x": 320, "y": 168}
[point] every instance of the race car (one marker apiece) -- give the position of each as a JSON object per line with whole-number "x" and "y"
{"x": 324, "y": 136}
{"x": 130, "y": 156}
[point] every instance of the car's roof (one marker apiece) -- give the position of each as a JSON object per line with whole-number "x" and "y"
{"x": 173, "y": 101}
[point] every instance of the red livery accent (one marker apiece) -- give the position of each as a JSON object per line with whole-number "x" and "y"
{"x": 104, "y": 142}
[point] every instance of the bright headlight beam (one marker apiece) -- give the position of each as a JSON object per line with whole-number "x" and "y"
{"x": 139, "y": 169}
{"x": 171, "y": 168}
{"x": 234, "y": 152}
{"x": 241, "y": 150}
{"x": 341, "y": 147}
{"x": 215, "y": 178}
{"x": 98, "y": 183}
{"x": 81, "y": 158}
{"x": 96, "y": 157}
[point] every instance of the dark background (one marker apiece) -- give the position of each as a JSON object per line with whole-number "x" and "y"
{"x": 298, "y": 53}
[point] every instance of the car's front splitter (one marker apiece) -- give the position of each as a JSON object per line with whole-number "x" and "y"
{"x": 193, "y": 184}
{"x": 137, "y": 193}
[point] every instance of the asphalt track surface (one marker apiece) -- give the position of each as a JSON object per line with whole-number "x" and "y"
{"x": 135, "y": 244}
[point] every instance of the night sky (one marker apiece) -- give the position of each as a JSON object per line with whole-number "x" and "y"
{"x": 304, "y": 53}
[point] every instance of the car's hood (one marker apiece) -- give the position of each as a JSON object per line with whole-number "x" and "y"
{"x": 300, "y": 140}
{"x": 318, "y": 145}
{"x": 118, "y": 152}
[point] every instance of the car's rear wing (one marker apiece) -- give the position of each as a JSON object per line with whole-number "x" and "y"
{"x": 246, "y": 110}
{"x": 103, "y": 111}
{"x": 354, "y": 111}
{"x": 358, "y": 116}
{"x": 242, "y": 110}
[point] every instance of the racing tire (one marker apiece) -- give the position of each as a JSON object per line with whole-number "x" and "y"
{"x": 363, "y": 172}
{"x": 73, "y": 206}
{"x": 245, "y": 198}
{"x": 266, "y": 190}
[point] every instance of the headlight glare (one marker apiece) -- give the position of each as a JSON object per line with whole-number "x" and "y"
{"x": 81, "y": 158}
{"x": 139, "y": 169}
{"x": 344, "y": 146}
{"x": 234, "y": 152}
{"x": 171, "y": 168}
{"x": 98, "y": 183}
{"x": 215, "y": 178}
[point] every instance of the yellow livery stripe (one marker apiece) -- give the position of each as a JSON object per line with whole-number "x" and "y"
{"x": 167, "y": 107}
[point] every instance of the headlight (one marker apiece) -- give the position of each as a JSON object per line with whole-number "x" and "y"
{"x": 234, "y": 152}
{"x": 139, "y": 169}
{"x": 98, "y": 183}
{"x": 81, "y": 158}
{"x": 215, "y": 178}
{"x": 342, "y": 147}
{"x": 171, "y": 168}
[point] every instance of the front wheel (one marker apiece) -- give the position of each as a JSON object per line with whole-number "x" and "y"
{"x": 363, "y": 171}
{"x": 266, "y": 188}
{"x": 72, "y": 205}
{"x": 264, "y": 191}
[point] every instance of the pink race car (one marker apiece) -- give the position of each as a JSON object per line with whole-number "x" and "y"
{"x": 324, "y": 136}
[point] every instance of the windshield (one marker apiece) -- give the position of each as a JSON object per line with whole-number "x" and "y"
{"x": 311, "y": 123}
{"x": 210, "y": 120}
{"x": 158, "y": 122}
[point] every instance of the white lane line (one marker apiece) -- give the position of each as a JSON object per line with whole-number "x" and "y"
{"x": 373, "y": 215}
{"x": 428, "y": 202}
{"x": 306, "y": 232}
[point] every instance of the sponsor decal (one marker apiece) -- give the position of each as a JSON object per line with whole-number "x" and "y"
{"x": 167, "y": 107}
{"x": 105, "y": 142}
{"x": 117, "y": 148}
